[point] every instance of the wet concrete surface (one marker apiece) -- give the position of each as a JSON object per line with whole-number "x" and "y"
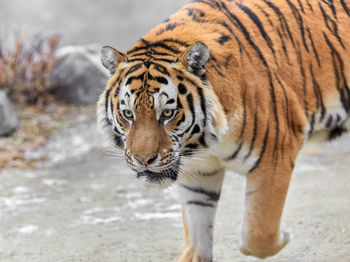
{"x": 88, "y": 206}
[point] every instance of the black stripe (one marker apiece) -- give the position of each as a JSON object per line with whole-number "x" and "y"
{"x": 180, "y": 78}
{"x": 345, "y": 7}
{"x": 181, "y": 120}
{"x": 212, "y": 195}
{"x": 300, "y": 22}
{"x": 170, "y": 101}
{"x": 282, "y": 19}
{"x": 191, "y": 146}
{"x": 301, "y": 6}
{"x": 235, "y": 153}
{"x": 312, "y": 123}
{"x": 255, "y": 131}
{"x": 118, "y": 141}
{"x": 341, "y": 83}
{"x": 161, "y": 80}
{"x": 309, "y": 5}
{"x": 182, "y": 89}
{"x": 213, "y": 173}
{"x": 133, "y": 69}
{"x": 223, "y": 39}
{"x": 285, "y": 98}
{"x": 329, "y": 121}
{"x": 163, "y": 45}
{"x": 136, "y": 49}
{"x": 275, "y": 113}
{"x": 203, "y": 106}
{"x": 246, "y": 34}
{"x": 302, "y": 72}
{"x": 111, "y": 107}
{"x": 313, "y": 46}
{"x": 132, "y": 78}
{"x": 338, "y": 118}
{"x": 151, "y": 54}
{"x": 199, "y": 203}
{"x": 257, "y": 162}
{"x": 330, "y": 4}
{"x": 160, "y": 68}
{"x": 202, "y": 141}
{"x": 160, "y": 44}
{"x": 116, "y": 131}
{"x": 106, "y": 104}
{"x": 195, "y": 130}
{"x": 336, "y": 132}
{"x": 241, "y": 46}
{"x": 258, "y": 23}
{"x": 189, "y": 99}
{"x": 244, "y": 100}
{"x": 331, "y": 25}
{"x": 267, "y": 15}
{"x": 171, "y": 26}
{"x": 318, "y": 95}
{"x": 283, "y": 45}
{"x": 176, "y": 41}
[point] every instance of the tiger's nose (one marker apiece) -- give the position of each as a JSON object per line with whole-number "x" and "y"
{"x": 147, "y": 160}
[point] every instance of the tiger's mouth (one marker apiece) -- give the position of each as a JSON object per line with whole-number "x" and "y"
{"x": 161, "y": 179}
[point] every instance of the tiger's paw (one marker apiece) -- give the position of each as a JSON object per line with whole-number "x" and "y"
{"x": 262, "y": 247}
{"x": 193, "y": 256}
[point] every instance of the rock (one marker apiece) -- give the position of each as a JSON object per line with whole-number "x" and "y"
{"x": 79, "y": 78}
{"x": 9, "y": 122}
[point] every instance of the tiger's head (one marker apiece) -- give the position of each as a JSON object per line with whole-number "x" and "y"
{"x": 159, "y": 108}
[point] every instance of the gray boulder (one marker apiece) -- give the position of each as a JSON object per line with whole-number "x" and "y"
{"x": 78, "y": 78}
{"x": 9, "y": 122}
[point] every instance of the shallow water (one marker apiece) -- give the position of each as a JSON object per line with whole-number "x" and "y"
{"x": 87, "y": 206}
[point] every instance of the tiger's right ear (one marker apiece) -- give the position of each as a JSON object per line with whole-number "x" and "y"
{"x": 110, "y": 58}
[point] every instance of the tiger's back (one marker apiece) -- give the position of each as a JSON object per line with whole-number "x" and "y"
{"x": 278, "y": 75}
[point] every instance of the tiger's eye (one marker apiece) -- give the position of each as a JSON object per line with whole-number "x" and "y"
{"x": 128, "y": 114}
{"x": 168, "y": 112}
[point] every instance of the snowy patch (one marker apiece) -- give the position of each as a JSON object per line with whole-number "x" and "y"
{"x": 28, "y": 229}
{"x": 90, "y": 220}
{"x": 139, "y": 203}
{"x": 21, "y": 190}
{"x": 148, "y": 216}
{"x": 53, "y": 182}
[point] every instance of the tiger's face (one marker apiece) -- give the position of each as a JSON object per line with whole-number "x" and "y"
{"x": 158, "y": 112}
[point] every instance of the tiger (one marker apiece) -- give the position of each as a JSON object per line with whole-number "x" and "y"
{"x": 230, "y": 85}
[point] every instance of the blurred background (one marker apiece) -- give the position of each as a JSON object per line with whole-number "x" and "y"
{"x": 119, "y": 23}
{"x": 65, "y": 196}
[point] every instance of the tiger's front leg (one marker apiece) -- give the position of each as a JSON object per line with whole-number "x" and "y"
{"x": 199, "y": 201}
{"x": 266, "y": 191}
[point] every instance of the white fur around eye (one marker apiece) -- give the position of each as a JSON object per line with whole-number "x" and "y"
{"x": 167, "y": 93}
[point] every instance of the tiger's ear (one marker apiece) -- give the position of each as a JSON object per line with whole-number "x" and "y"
{"x": 195, "y": 58}
{"x": 110, "y": 58}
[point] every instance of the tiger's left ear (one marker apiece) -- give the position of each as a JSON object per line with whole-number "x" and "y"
{"x": 195, "y": 58}
{"x": 110, "y": 58}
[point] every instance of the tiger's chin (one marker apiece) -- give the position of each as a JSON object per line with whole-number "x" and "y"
{"x": 159, "y": 180}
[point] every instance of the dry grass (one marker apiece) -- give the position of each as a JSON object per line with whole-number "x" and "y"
{"x": 38, "y": 124}
{"x": 25, "y": 68}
